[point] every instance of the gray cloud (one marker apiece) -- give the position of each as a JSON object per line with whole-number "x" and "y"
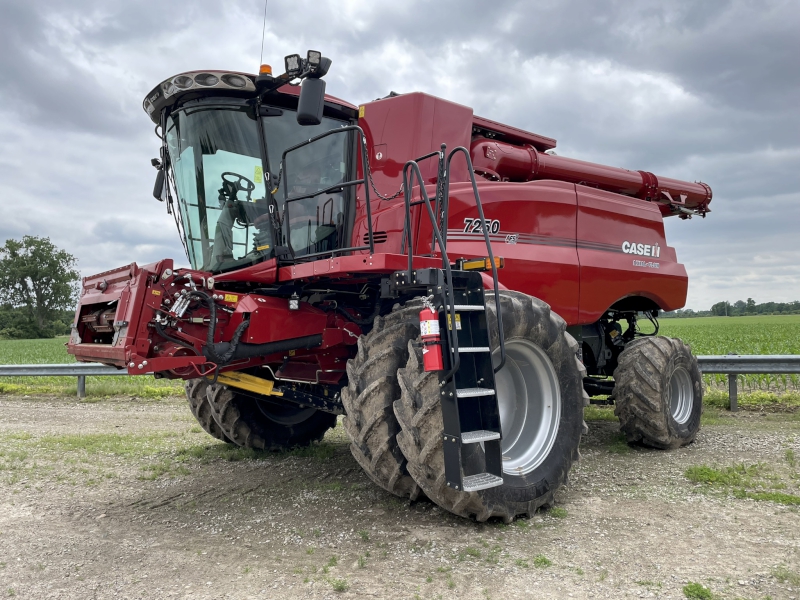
{"x": 684, "y": 89}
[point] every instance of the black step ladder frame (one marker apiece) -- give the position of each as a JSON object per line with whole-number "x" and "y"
{"x": 470, "y": 411}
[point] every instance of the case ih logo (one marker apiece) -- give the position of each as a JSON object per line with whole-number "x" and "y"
{"x": 641, "y": 249}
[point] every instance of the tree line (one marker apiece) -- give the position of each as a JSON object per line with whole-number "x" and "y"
{"x": 740, "y": 308}
{"x": 38, "y": 289}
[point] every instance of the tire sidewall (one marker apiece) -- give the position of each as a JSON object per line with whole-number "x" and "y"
{"x": 551, "y": 473}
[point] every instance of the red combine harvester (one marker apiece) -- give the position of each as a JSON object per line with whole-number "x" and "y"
{"x": 446, "y": 282}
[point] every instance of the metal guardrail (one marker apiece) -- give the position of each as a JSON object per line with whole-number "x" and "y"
{"x": 730, "y": 365}
{"x": 733, "y": 365}
{"x": 79, "y": 370}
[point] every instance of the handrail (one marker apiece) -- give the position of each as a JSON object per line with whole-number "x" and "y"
{"x": 362, "y": 146}
{"x": 442, "y": 204}
{"x": 495, "y": 281}
{"x": 452, "y": 332}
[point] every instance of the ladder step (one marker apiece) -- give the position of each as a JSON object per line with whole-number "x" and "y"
{"x": 466, "y": 307}
{"x": 472, "y": 392}
{"x": 481, "y": 435}
{"x": 482, "y": 481}
{"x": 475, "y": 349}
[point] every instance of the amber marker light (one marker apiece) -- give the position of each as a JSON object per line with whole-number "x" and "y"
{"x": 265, "y": 70}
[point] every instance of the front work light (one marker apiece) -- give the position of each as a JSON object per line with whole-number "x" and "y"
{"x": 294, "y": 65}
{"x": 314, "y": 57}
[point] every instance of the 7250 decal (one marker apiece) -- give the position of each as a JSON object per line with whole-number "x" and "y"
{"x": 475, "y": 225}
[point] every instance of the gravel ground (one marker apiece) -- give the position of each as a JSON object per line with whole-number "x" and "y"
{"x": 142, "y": 504}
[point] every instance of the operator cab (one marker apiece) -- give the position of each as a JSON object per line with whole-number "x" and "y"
{"x": 223, "y": 140}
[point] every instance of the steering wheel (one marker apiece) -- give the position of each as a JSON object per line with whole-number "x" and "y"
{"x": 232, "y": 183}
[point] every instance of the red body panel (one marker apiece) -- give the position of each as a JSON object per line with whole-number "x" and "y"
{"x": 536, "y": 237}
{"x": 605, "y": 221}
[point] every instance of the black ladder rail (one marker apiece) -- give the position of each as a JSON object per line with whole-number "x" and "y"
{"x": 495, "y": 280}
{"x": 411, "y": 169}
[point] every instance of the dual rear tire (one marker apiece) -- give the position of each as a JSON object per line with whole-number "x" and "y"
{"x": 394, "y": 418}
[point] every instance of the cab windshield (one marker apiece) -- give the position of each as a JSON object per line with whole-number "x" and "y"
{"x": 228, "y": 216}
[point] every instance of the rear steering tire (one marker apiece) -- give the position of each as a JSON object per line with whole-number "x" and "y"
{"x": 255, "y": 423}
{"x": 658, "y": 394}
{"x": 541, "y": 400}
{"x": 201, "y": 409}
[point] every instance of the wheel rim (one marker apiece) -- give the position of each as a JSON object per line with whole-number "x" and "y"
{"x": 529, "y": 399}
{"x": 283, "y": 414}
{"x": 681, "y": 395}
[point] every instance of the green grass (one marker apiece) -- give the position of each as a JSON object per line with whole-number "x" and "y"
{"x": 711, "y": 335}
{"x": 540, "y": 561}
{"x": 736, "y": 475}
{"x": 784, "y": 575}
{"x": 89, "y": 458}
{"x": 557, "y": 512}
{"x": 619, "y": 445}
{"x": 599, "y": 413}
{"x": 755, "y": 482}
{"x": 695, "y": 591}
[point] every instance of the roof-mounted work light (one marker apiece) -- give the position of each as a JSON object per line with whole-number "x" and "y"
{"x": 318, "y": 65}
{"x": 294, "y": 65}
{"x": 313, "y": 58}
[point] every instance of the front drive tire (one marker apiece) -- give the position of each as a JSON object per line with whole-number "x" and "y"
{"x": 201, "y": 409}
{"x": 540, "y": 438}
{"x": 372, "y": 389}
{"x": 265, "y": 425}
{"x": 658, "y": 394}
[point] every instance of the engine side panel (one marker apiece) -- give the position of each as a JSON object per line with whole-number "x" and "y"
{"x": 623, "y": 253}
{"x": 532, "y": 226}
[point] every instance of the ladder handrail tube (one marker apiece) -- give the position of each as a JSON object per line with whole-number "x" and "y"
{"x": 495, "y": 281}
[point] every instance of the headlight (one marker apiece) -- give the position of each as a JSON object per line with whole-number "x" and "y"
{"x": 206, "y": 79}
{"x": 236, "y": 81}
{"x": 183, "y": 82}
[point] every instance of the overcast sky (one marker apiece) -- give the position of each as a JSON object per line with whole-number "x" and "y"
{"x": 698, "y": 90}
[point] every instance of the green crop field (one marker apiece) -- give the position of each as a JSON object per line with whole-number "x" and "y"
{"x": 742, "y": 335}
{"x": 711, "y": 335}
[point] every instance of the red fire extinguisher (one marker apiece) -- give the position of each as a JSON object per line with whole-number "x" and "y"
{"x": 431, "y": 338}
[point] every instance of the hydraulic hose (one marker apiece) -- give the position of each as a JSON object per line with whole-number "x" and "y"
{"x": 160, "y": 331}
{"x": 368, "y": 321}
{"x": 242, "y": 350}
{"x": 223, "y": 353}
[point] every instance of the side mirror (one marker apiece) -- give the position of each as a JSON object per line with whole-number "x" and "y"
{"x": 312, "y": 101}
{"x": 158, "y": 188}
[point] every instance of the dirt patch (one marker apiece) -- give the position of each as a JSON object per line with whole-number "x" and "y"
{"x": 130, "y": 500}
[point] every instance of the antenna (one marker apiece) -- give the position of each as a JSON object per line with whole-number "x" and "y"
{"x": 263, "y": 31}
